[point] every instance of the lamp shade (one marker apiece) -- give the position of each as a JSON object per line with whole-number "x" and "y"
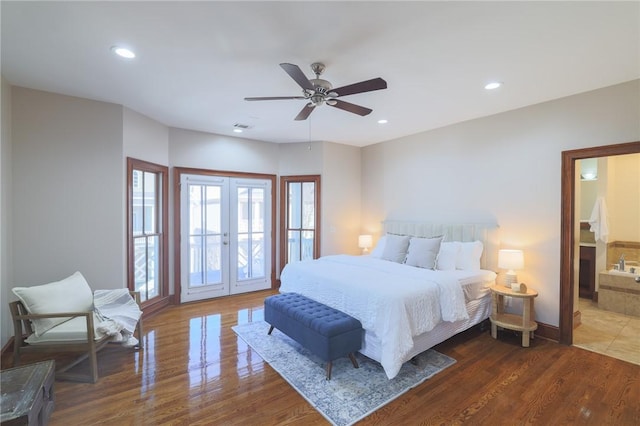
{"x": 511, "y": 259}
{"x": 365, "y": 241}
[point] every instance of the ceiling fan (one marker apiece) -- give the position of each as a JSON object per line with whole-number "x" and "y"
{"x": 319, "y": 92}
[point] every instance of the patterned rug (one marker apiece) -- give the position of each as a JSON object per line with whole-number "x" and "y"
{"x": 352, "y": 393}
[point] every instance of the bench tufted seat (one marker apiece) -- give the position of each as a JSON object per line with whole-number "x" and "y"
{"x": 327, "y": 332}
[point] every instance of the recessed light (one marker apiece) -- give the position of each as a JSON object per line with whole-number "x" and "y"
{"x": 237, "y": 130}
{"x": 123, "y": 52}
{"x": 383, "y": 121}
{"x": 493, "y": 85}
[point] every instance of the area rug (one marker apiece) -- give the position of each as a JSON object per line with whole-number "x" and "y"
{"x": 351, "y": 394}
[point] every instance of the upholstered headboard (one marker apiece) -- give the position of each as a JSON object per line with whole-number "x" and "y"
{"x": 487, "y": 233}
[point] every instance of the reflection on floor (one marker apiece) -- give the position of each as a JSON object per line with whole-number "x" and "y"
{"x": 608, "y": 333}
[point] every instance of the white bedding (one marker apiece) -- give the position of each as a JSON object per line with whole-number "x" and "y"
{"x": 394, "y": 301}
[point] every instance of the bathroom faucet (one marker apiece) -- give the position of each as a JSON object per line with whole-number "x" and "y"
{"x": 621, "y": 262}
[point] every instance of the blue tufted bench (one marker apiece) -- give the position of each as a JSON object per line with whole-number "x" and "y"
{"x": 327, "y": 332}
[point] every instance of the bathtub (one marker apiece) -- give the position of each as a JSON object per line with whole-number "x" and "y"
{"x": 619, "y": 292}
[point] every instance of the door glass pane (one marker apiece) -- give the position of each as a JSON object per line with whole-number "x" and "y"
{"x": 195, "y": 260}
{"x": 295, "y": 204}
{"x": 205, "y": 250}
{"x": 243, "y": 257}
{"x": 214, "y": 259}
{"x": 195, "y": 210}
{"x": 251, "y": 216}
{"x": 308, "y": 205}
{"x": 243, "y": 209}
{"x": 257, "y": 210}
{"x": 294, "y": 246}
{"x": 213, "y": 209}
{"x": 258, "y": 267}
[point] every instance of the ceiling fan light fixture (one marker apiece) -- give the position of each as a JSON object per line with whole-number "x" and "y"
{"x": 123, "y": 52}
{"x": 331, "y": 102}
{"x": 317, "y": 100}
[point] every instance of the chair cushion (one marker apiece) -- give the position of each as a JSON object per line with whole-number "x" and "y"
{"x": 71, "y": 294}
{"x": 71, "y": 331}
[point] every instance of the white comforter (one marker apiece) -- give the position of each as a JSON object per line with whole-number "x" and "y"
{"x": 395, "y": 301}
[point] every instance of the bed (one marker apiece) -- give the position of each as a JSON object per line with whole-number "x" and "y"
{"x": 407, "y": 302}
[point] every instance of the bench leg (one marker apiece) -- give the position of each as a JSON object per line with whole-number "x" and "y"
{"x": 353, "y": 360}
{"x": 329, "y": 365}
{"x": 270, "y": 330}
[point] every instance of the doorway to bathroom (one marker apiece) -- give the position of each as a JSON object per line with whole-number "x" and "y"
{"x": 585, "y": 310}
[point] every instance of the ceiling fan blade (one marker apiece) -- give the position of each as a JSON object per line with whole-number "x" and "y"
{"x": 363, "y": 86}
{"x": 296, "y": 73}
{"x": 274, "y": 98}
{"x": 347, "y": 106}
{"x": 305, "y": 112}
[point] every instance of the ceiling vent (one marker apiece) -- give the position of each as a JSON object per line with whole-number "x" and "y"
{"x": 241, "y": 126}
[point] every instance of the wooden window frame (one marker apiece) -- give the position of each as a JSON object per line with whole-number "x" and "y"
{"x": 163, "y": 298}
{"x": 284, "y": 214}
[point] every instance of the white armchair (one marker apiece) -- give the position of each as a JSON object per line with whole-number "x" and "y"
{"x": 60, "y": 317}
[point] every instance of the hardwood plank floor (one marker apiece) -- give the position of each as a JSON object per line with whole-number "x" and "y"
{"x": 194, "y": 370}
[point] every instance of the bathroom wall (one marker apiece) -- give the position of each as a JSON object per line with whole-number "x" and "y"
{"x": 618, "y": 182}
{"x": 623, "y": 197}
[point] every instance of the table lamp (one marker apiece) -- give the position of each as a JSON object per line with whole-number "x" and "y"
{"x": 511, "y": 260}
{"x": 365, "y": 242}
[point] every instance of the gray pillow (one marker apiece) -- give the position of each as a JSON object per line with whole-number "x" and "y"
{"x": 422, "y": 252}
{"x": 395, "y": 247}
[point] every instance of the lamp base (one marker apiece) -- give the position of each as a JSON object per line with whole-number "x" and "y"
{"x": 510, "y": 278}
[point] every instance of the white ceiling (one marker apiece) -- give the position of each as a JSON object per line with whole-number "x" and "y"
{"x": 196, "y": 61}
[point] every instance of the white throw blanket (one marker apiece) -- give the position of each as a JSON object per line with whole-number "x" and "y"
{"x": 395, "y": 301}
{"x": 118, "y": 313}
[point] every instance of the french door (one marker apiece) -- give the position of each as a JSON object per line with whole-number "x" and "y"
{"x": 225, "y": 228}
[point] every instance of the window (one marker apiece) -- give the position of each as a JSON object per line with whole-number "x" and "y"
{"x": 300, "y": 218}
{"x": 147, "y": 216}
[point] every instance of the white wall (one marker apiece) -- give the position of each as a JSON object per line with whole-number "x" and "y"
{"x": 623, "y": 197}
{"x": 503, "y": 168}
{"x": 301, "y": 159}
{"x": 340, "y": 199}
{"x": 144, "y": 138}
{"x": 6, "y": 234}
{"x": 67, "y": 189}
{"x": 189, "y": 148}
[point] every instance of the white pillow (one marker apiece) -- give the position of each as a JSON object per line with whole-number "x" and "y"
{"x": 422, "y": 252}
{"x": 379, "y": 248}
{"x": 469, "y": 256}
{"x": 448, "y": 256}
{"x": 395, "y": 248}
{"x": 71, "y": 294}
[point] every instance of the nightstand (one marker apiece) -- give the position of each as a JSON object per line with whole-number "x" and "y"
{"x": 523, "y": 323}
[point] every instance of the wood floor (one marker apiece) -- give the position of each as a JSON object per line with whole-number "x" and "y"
{"x": 192, "y": 372}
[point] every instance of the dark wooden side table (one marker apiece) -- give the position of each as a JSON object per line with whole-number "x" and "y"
{"x": 27, "y": 394}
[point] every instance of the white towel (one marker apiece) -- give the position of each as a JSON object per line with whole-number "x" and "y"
{"x": 599, "y": 221}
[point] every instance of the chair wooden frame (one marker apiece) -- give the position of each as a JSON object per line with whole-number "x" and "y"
{"x": 87, "y": 349}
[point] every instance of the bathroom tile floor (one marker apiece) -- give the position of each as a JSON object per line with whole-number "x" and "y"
{"x": 608, "y": 333}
